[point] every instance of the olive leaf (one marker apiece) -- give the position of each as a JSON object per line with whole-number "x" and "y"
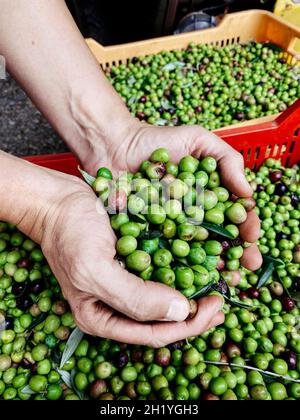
{"x": 66, "y": 377}
{"x": 80, "y": 394}
{"x": 28, "y": 391}
{"x": 138, "y": 218}
{"x": 276, "y": 261}
{"x": 163, "y": 244}
{"x": 182, "y": 261}
{"x": 131, "y": 80}
{"x": 41, "y": 318}
{"x": 173, "y": 66}
{"x": 268, "y": 269}
{"x": 240, "y": 304}
{"x": 217, "y": 229}
{"x": 165, "y": 104}
{"x": 203, "y": 291}
{"x": 161, "y": 122}
{"x": 264, "y": 372}
{"x": 266, "y": 273}
{"x": 89, "y": 179}
{"x": 295, "y": 296}
{"x": 72, "y": 344}
{"x": 132, "y": 100}
{"x": 56, "y": 355}
{"x": 153, "y": 234}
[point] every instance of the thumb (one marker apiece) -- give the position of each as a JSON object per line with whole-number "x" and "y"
{"x": 144, "y": 300}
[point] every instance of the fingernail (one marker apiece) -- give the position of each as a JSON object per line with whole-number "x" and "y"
{"x": 219, "y": 304}
{"x": 178, "y": 311}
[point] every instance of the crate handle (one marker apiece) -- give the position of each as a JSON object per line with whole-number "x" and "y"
{"x": 291, "y": 49}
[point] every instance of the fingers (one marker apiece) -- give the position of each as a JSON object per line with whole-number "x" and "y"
{"x": 252, "y": 259}
{"x": 250, "y": 230}
{"x": 235, "y": 278}
{"x": 102, "y": 322}
{"x": 232, "y": 170}
{"x": 142, "y": 300}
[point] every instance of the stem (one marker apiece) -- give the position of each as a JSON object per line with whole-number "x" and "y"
{"x": 265, "y": 372}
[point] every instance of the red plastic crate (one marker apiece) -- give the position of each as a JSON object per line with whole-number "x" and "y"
{"x": 279, "y": 139}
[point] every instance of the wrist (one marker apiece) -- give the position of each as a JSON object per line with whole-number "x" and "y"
{"x": 103, "y": 123}
{"x": 29, "y": 193}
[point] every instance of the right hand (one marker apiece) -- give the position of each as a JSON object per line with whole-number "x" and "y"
{"x": 106, "y": 300}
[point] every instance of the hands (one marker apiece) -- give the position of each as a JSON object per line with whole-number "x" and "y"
{"x": 80, "y": 247}
{"x": 107, "y": 300}
{"x": 142, "y": 139}
{"x": 60, "y": 212}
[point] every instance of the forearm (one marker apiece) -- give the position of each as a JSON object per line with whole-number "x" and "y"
{"x": 29, "y": 193}
{"x": 46, "y": 53}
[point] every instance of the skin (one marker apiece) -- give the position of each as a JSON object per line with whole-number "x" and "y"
{"x": 59, "y": 211}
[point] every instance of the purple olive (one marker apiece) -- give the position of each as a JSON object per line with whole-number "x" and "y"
{"x": 295, "y": 200}
{"x": 121, "y": 359}
{"x": 176, "y": 346}
{"x": 24, "y": 263}
{"x": 137, "y": 355}
{"x": 36, "y": 287}
{"x": 18, "y": 289}
{"x": 288, "y": 304}
{"x": 280, "y": 189}
{"x": 281, "y": 235}
{"x": 24, "y": 303}
{"x": 163, "y": 356}
{"x": 275, "y": 176}
{"x": 9, "y": 323}
{"x": 141, "y": 115}
{"x": 260, "y": 188}
{"x": 97, "y": 388}
{"x": 291, "y": 358}
{"x": 253, "y": 293}
{"x": 240, "y": 116}
{"x": 143, "y": 99}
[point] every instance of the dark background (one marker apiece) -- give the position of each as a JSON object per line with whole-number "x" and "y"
{"x": 24, "y": 131}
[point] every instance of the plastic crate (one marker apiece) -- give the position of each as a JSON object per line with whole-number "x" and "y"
{"x": 242, "y": 27}
{"x": 279, "y": 139}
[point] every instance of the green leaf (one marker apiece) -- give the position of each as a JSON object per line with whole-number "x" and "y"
{"x": 138, "y": 218}
{"x": 89, "y": 179}
{"x": 246, "y": 367}
{"x": 163, "y": 244}
{"x": 72, "y": 344}
{"x": 277, "y": 263}
{"x": 161, "y": 122}
{"x": 295, "y": 296}
{"x": 240, "y": 304}
{"x": 203, "y": 291}
{"x": 173, "y": 66}
{"x": 266, "y": 273}
{"x": 28, "y": 391}
{"x": 56, "y": 355}
{"x": 217, "y": 229}
{"x": 41, "y": 318}
{"x": 182, "y": 261}
{"x": 66, "y": 377}
{"x": 153, "y": 234}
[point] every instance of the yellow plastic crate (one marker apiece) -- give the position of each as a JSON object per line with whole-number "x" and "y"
{"x": 242, "y": 27}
